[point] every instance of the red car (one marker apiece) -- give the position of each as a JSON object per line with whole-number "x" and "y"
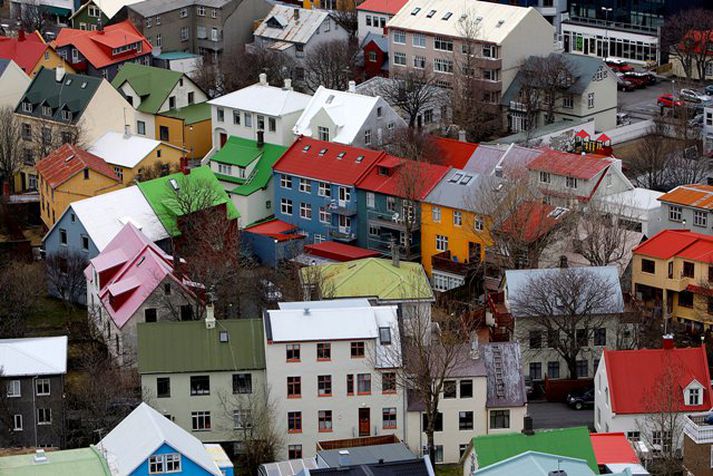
{"x": 619, "y": 66}
{"x": 667, "y": 100}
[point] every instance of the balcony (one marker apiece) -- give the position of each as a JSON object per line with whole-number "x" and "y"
{"x": 382, "y": 244}
{"x": 443, "y": 262}
{"x": 498, "y": 317}
{"x": 695, "y": 426}
{"x": 342, "y": 208}
{"x": 342, "y": 234}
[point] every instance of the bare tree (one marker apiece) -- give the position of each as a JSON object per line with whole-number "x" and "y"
{"x": 605, "y": 233}
{"x": 331, "y": 64}
{"x": 414, "y": 144}
{"x": 21, "y": 286}
{"x": 647, "y": 165}
{"x": 568, "y": 303}
{"x": 65, "y": 276}
{"x": 412, "y": 92}
{"x": 207, "y": 76}
{"x": 50, "y": 135}
{"x": 689, "y": 36}
{"x": 11, "y": 157}
{"x": 346, "y": 16}
{"x": 33, "y": 17}
{"x": 156, "y": 170}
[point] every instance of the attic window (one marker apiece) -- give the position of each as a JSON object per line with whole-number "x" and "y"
{"x": 383, "y": 171}
{"x": 306, "y": 148}
{"x": 415, "y": 11}
{"x": 174, "y": 185}
{"x": 466, "y": 179}
{"x": 223, "y": 336}
{"x": 359, "y": 159}
{"x": 341, "y": 155}
{"x": 84, "y": 85}
{"x": 330, "y": 98}
{"x": 430, "y": 14}
{"x": 447, "y": 16}
{"x": 68, "y": 82}
{"x": 456, "y": 178}
{"x": 322, "y": 152}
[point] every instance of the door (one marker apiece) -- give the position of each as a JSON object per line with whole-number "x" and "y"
{"x": 223, "y": 139}
{"x": 364, "y": 422}
{"x": 344, "y": 196}
{"x": 345, "y": 224}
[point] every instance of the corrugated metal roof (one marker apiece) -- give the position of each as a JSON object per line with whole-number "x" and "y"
{"x": 283, "y": 25}
{"x": 693, "y": 195}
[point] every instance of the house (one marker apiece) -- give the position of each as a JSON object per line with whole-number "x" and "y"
{"x": 509, "y": 161}
{"x": 162, "y": 446}
{"x": 453, "y": 229}
{"x": 539, "y": 464}
{"x": 189, "y": 128}
{"x": 187, "y": 63}
{"x": 293, "y": 32}
{"x": 315, "y": 188}
{"x": 697, "y": 443}
{"x": 539, "y": 357}
{"x": 632, "y": 385}
{"x": 273, "y": 241}
{"x": 668, "y": 274}
{"x": 348, "y": 118}
{"x": 484, "y": 393}
{"x": 205, "y": 377}
{"x": 153, "y": 91}
{"x": 687, "y": 207}
{"x": 591, "y": 95}
{"x": 639, "y": 208}
{"x": 70, "y": 174}
{"x": 376, "y": 55}
{"x": 31, "y": 53}
{"x": 13, "y": 82}
{"x": 60, "y": 108}
{"x": 101, "y": 52}
{"x": 95, "y": 13}
{"x": 244, "y": 169}
{"x": 131, "y": 156}
{"x": 424, "y": 33}
{"x": 372, "y": 16}
{"x": 132, "y": 280}
{"x": 615, "y": 452}
{"x": 33, "y": 371}
{"x": 201, "y": 27}
{"x": 487, "y": 450}
{"x": 330, "y": 371}
{"x": 389, "y": 199}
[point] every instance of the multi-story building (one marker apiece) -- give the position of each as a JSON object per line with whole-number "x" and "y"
{"x": 552, "y": 10}
{"x": 207, "y": 28}
{"x": 207, "y": 376}
{"x": 330, "y": 366}
{"x": 33, "y": 371}
{"x": 95, "y": 13}
{"x": 687, "y": 207}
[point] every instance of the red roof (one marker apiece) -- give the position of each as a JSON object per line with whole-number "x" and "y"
{"x": 25, "y": 53}
{"x": 96, "y": 45}
{"x": 613, "y": 448}
{"x": 571, "y": 165}
{"x": 327, "y": 161}
{"x": 454, "y": 152}
{"x": 533, "y": 219}
{"x": 276, "y": 229}
{"x": 634, "y": 374}
{"x": 404, "y": 178}
{"x": 390, "y": 7}
{"x": 339, "y": 251}
{"x": 682, "y": 243}
{"x": 603, "y": 138}
{"x": 696, "y": 41}
{"x": 68, "y": 160}
{"x": 582, "y": 133}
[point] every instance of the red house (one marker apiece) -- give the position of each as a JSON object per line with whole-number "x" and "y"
{"x": 376, "y": 56}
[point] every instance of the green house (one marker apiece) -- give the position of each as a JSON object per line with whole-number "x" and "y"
{"x": 94, "y": 12}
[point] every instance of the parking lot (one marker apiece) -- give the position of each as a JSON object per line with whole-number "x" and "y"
{"x": 558, "y": 415}
{"x": 641, "y": 103}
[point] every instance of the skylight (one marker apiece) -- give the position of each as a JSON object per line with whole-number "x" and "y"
{"x": 341, "y": 155}
{"x": 68, "y": 82}
{"x": 306, "y": 148}
{"x": 174, "y": 185}
{"x": 455, "y": 178}
{"x": 84, "y": 85}
{"x": 323, "y": 151}
{"x": 359, "y": 159}
{"x": 330, "y": 98}
{"x": 466, "y": 179}
{"x": 447, "y": 16}
{"x": 430, "y": 14}
{"x": 415, "y": 11}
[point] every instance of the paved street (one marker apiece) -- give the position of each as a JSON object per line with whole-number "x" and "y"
{"x": 558, "y": 415}
{"x": 641, "y": 103}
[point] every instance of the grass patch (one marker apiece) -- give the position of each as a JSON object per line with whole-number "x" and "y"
{"x": 449, "y": 470}
{"x": 53, "y": 318}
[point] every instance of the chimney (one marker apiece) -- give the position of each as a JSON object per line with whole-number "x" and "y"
{"x": 527, "y": 426}
{"x": 210, "y": 316}
{"x": 461, "y": 135}
{"x": 668, "y": 342}
{"x": 352, "y": 86}
{"x": 288, "y": 84}
{"x": 344, "y": 458}
{"x": 59, "y": 74}
{"x": 564, "y": 263}
{"x": 263, "y": 79}
{"x": 127, "y": 131}
{"x": 40, "y": 456}
{"x": 296, "y": 14}
{"x": 260, "y": 138}
{"x": 100, "y": 27}
{"x": 21, "y": 35}
{"x": 395, "y": 255}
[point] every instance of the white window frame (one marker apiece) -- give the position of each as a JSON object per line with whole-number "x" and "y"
{"x": 590, "y": 100}
{"x": 370, "y": 200}
{"x": 441, "y": 243}
{"x": 286, "y": 182}
{"x": 675, "y": 213}
{"x": 324, "y": 215}
{"x": 13, "y": 389}
{"x": 457, "y": 218}
{"x": 419, "y": 40}
{"x": 325, "y": 189}
{"x": 42, "y": 382}
{"x": 399, "y": 58}
{"x": 399, "y": 37}
{"x": 323, "y": 133}
{"x": 286, "y": 206}
{"x": 700, "y": 218}
{"x": 436, "y": 214}
{"x": 306, "y": 211}
{"x": 47, "y": 412}
{"x": 545, "y": 177}
{"x": 17, "y": 422}
{"x": 305, "y": 185}
{"x": 571, "y": 182}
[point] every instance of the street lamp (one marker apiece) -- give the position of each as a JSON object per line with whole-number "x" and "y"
{"x": 606, "y": 11}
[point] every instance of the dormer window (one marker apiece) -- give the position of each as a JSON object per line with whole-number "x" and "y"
{"x": 66, "y": 115}
{"x": 47, "y": 111}
{"x": 383, "y": 171}
{"x": 694, "y": 396}
{"x": 26, "y": 107}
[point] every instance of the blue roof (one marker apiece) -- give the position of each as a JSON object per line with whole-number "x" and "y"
{"x": 534, "y": 463}
{"x": 381, "y": 41}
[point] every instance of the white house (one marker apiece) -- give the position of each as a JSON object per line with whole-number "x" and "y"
{"x": 348, "y": 118}
{"x": 330, "y": 370}
{"x": 372, "y": 16}
{"x": 632, "y": 385}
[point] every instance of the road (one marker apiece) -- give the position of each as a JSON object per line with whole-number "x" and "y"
{"x": 558, "y": 415}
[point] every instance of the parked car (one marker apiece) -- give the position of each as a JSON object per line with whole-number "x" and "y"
{"x": 709, "y": 90}
{"x": 691, "y": 95}
{"x": 579, "y": 400}
{"x": 618, "y": 65}
{"x": 623, "y": 84}
{"x": 667, "y": 100}
{"x": 648, "y": 78}
{"x": 639, "y": 82}
{"x": 622, "y": 119}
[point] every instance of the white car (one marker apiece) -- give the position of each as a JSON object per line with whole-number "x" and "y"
{"x": 691, "y": 95}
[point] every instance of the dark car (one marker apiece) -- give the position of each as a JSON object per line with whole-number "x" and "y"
{"x": 638, "y": 81}
{"x": 624, "y": 84}
{"x": 582, "y": 399}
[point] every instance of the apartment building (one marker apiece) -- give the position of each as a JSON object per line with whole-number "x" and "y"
{"x": 330, "y": 368}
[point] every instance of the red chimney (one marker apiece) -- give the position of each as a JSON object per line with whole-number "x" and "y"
{"x": 668, "y": 342}
{"x": 21, "y": 35}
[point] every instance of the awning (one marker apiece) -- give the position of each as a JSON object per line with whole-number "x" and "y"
{"x": 57, "y": 11}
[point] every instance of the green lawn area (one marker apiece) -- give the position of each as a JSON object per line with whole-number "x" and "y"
{"x": 52, "y": 318}
{"x": 449, "y": 470}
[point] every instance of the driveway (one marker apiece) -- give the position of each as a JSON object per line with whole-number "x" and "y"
{"x": 558, "y": 415}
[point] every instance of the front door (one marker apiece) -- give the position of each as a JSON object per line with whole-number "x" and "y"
{"x": 223, "y": 139}
{"x": 364, "y": 422}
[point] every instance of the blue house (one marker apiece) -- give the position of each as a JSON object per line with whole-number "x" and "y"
{"x": 315, "y": 188}
{"x": 147, "y": 442}
{"x": 272, "y": 242}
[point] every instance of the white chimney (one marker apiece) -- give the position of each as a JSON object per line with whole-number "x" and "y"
{"x": 288, "y": 84}
{"x": 263, "y": 79}
{"x": 344, "y": 459}
{"x": 59, "y": 73}
{"x": 352, "y": 86}
{"x": 40, "y": 456}
{"x": 127, "y": 131}
{"x": 461, "y": 135}
{"x": 209, "y": 316}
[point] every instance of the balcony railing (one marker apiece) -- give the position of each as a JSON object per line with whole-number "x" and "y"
{"x": 697, "y": 429}
{"x": 444, "y": 262}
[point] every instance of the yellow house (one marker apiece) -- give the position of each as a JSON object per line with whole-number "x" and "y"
{"x": 453, "y": 235}
{"x": 132, "y": 157}
{"x": 672, "y": 272}
{"x": 188, "y": 127}
{"x": 69, "y": 174}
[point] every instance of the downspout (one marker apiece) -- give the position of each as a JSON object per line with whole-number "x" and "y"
{"x": 34, "y": 406}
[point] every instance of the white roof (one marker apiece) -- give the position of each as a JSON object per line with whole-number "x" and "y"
{"x": 264, "y": 99}
{"x": 112, "y": 7}
{"x": 348, "y": 111}
{"x": 497, "y": 21}
{"x": 104, "y": 215}
{"x": 144, "y": 431}
{"x": 280, "y": 24}
{"x": 641, "y": 199}
{"x": 33, "y": 356}
{"x": 123, "y": 150}
{"x": 329, "y": 304}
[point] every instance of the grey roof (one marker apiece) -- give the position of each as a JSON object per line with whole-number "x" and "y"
{"x": 281, "y": 25}
{"x": 287, "y": 468}
{"x": 368, "y": 454}
{"x": 506, "y": 385}
{"x": 488, "y": 158}
{"x": 459, "y": 190}
{"x": 518, "y": 281}
{"x": 415, "y": 467}
{"x": 153, "y": 7}
{"x": 381, "y": 41}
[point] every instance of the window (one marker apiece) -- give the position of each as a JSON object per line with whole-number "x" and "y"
{"x": 465, "y": 420}
{"x": 449, "y": 389}
{"x": 437, "y": 425}
{"x": 399, "y": 37}
{"x": 260, "y": 122}
{"x": 324, "y": 385}
{"x": 242, "y": 419}
{"x": 553, "y": 369}
{"x": 242, "y": 383}
{"x": 388, "y": 417}
{"x": 685, "y": 299}
{"x": 590, "y": 100}
{"x": 324, "y": 215}
{"x": 150, "y": 314}
{"x": 42, "y": 387}
{"x": 292, "y": 352}
{"x": 648, "y": 266}
{"x": 364, "y": 384}
{"x": 200, "y": 421}
{"x": 357, "y": 350}
{"x": 184, "y": 37}
{"x": 688, "y": 269}
{"x": 490, "y": 51}
{"x": 499, "y": 419}
{"x": 294, "y": 387}
{"x": 694, "y": 396}
{"x": 457, "y": 218}
{"x": 368, "y": 20}
{"x": 385, "y": 335}
{"x": 536, "y": 370}
{"x": 544, "y": 177}
{"x": 419, "y": 40}
{"x": 324, "y": 418}
{"x": 370, "y": 200}
{"x": 248, "y": 119}
{"x": 478, "y": 224}
{"x": 419, "y": 62}
{"x": 442, "y": 44}
{"x": 582, "y": 338}
{"x": 17, "y": 422}
{"x": 373, "y": 230}
{"x": 582, "y": 367}
{"x": 443, "y": 66}
{"x": 141, "y": 128}
{"x": 294, "y": 451}
{"x": 400, "y": 58}
{"x": 600, "y": 336}
{"x": 13, "y": 388}
{"x": 379, "y": 112}
{"x": 44, "y": 416}
{"x": 391, "y": 204}
{"x": 163, "y": 133}
{"x": 441, "y": 243}
{"x": 324, "y": 190}
{"x": 191, "y": 97}
{"x": 213, "y": 13}
{"x": 700, "y": 218}
{"x": 491, "y": 74}
{"x": 305, "y": 186}
{"x": 633, "y": 435}
{"x": 85, "y": 242}
{"x": 183, "y": 12}
{"x": 388, "y": 382}
{"x": 285, "y": 181}
{"x": 568, "y": 102}
{"x": 200, "y": 11}
{"x": 466, "y": 388}
{"x": 26, "y": 131}
{"x": 535, "y": 339}
{"x": 323, "y": 133}
{"x": 163, "y": 387}
{"x": 271, "y": 124}
{"x": 200, "y": 385}
{"x": 305, "y": 211}
{"x": 350, "y": 384}
{"x": 661, "y": 440}
{"x": 571, "y": 182}
{"x": 158, "y": 20}
{"x": 294, "y": 422}
{"x": 286, "y": 206}
{"x": 436, "y": 214}
{"x": 675, "y": 213}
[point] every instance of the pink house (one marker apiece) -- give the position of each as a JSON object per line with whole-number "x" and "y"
{"x": 131, "y": 281}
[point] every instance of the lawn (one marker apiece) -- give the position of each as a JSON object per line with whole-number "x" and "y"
{"x": 449, "y": 470}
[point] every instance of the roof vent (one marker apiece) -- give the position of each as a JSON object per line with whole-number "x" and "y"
{"x": 322, "y": 152}
{"x": 84, "y": 85}
{"x": 430, "y": 14}
{"x": 174, "y": 185}
{"x": 344, "y": 458}
{"x": 306, "y": 148}
{"x": 69, "y": 158}
{"x": 359, "y": 159}
{"x": 500, "y": 23}
{"x": 447, "y": 16}
{"x": 40, "y": 456}
{"x": 415, "y": 11}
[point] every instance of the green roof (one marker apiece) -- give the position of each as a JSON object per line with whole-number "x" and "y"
{"x": 571, "y": 442}
{"x": 191, "y": 114}
{"x": 372, "y": 277}
{"x": 187, "y": 346}
{"x": 78, "y": 462}
{"x": 201, "y": 183}
{"x": 243, "y": 152}
{"x": 152, "y": 84}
